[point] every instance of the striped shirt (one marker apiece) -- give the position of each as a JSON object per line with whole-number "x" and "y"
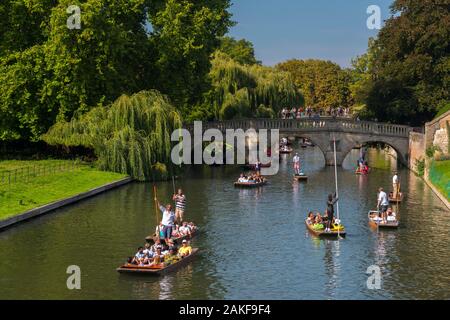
{"x": 180, "y": 202}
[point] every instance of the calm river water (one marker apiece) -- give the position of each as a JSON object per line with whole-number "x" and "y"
{"x": 254, "y": 244}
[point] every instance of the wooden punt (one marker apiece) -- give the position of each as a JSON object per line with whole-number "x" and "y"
{"x": 376, "y": 224}
{"x": 300, "y": 177}
{"x": 322, "y": 233}
{"x": 286, "y": 150}
{"x": 250, "y": 184}
{"x": 399, "y": 197}
{"x": 151, "y": 238}
{"x": 157, "y": 271}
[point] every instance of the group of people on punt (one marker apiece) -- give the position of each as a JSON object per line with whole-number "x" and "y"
{"x": 385, "y": 213}
{"x": 251, "y": 178}
{"x": 164, "y": 251}
{"x": 160, "y": 254}
{"x": 326, "y": 222}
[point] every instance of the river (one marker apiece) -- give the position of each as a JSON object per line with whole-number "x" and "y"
{"x": 254, "y": 244}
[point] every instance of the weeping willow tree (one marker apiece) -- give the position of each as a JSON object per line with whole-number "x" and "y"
{"x": 244, "y": 91}
{"x": 131, "y": 136}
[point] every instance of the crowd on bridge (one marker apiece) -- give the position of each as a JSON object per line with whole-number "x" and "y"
{"x": 310, "y": 112}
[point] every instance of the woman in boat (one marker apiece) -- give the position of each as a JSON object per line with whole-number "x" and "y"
{"x": 242, "y": 179}
{"x": 318, "y": 223}
{"x": 332, "y": 199}
{"x": 168, "y": 221}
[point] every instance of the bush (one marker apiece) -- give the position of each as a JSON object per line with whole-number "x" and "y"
{"x": 420, "y": 167}
{"x": 431, "y": 151}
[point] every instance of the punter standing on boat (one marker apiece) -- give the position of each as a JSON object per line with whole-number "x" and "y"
{"x": 332, "y": 199}
{"x": 395, "y": 185}
{"x": 168, "y": 221}
{"x": 383, "y": 203}
{"x": 296, "y": 161}
{"x": 180, "y": 205}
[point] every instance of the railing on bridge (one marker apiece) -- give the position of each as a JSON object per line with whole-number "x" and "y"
{"x": 308, "y": 125}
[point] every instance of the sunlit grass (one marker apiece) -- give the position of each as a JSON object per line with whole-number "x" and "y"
{"x": 26, "y": 194}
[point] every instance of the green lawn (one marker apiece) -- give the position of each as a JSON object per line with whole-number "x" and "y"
{"x": 440, "y": 176}
{"x": 26, "y": 194}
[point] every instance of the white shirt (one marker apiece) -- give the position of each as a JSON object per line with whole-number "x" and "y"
{"x": 168, "y": 217}
{"x": 383, "y": 199}
{"x": 395, "y": 179}
{"x": 296, "y": 159}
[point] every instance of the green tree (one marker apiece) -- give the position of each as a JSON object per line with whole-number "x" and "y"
{"x": 244, "y": 91}
{"x": 185, "y": 34}
{"x": 323, "y": 83}
{"x": 411, "y": 67}
{"x": 132, "y": 136}
{"x": 241, "y": 51}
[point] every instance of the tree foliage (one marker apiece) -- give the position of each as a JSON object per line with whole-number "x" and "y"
{"x": 48, "y": 72}
{"x": 324, "y": 84}
{"x": 131, "y": 136}
{"x": 244, "y": 91}
{"x": 241, "y": 51}
{"x": 410, "y": 72}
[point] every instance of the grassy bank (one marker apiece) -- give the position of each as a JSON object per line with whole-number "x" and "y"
{"x": 60, "y": 180}
{"x": 440, "y": 177}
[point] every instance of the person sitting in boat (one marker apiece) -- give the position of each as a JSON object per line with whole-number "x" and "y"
{"x": 391, "y": 216}
{"x": 242, "y": 179}
{"x": 155, "y": 245}
{"x": 158, "y": 253}
{"x": 318, "y": 223}
{"x": 185, "y": 230}
{"x": 332, "y": 199}
{"x": 171, "y": 257}
{"x": 139, "y": 257}
{"x": 185, "y": 249}
{"x": 365, "y": 169}
{"x": 168, "y": 221}
{"x": 192, "y": 227}
{"x": 310, "y": 219}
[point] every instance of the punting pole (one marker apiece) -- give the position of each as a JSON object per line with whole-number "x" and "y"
{"x": 156, "y": 212}
{"x": 335, "y": 178}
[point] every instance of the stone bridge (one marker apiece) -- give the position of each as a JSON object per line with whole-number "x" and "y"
{"x": 347, "y": 132}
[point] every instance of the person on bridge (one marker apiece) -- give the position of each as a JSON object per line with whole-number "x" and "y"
{"x": 296, "y": 162}
{"x": 395, "y": 185}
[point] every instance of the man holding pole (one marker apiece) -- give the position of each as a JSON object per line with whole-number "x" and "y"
{"x": 395, "y": 185}
{"x": 296, "y": 162}
{"x": 167, "y": 222}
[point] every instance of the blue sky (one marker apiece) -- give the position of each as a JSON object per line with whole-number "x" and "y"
{"x": 323, "y": 29}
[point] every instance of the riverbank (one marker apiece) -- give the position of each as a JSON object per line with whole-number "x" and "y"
{"x": 51, "y": 181}
{"x": 439, "y": 176}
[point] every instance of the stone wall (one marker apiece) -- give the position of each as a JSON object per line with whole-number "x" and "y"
{"x": 436, "y": 132}
{"x": 417, "y": 147}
